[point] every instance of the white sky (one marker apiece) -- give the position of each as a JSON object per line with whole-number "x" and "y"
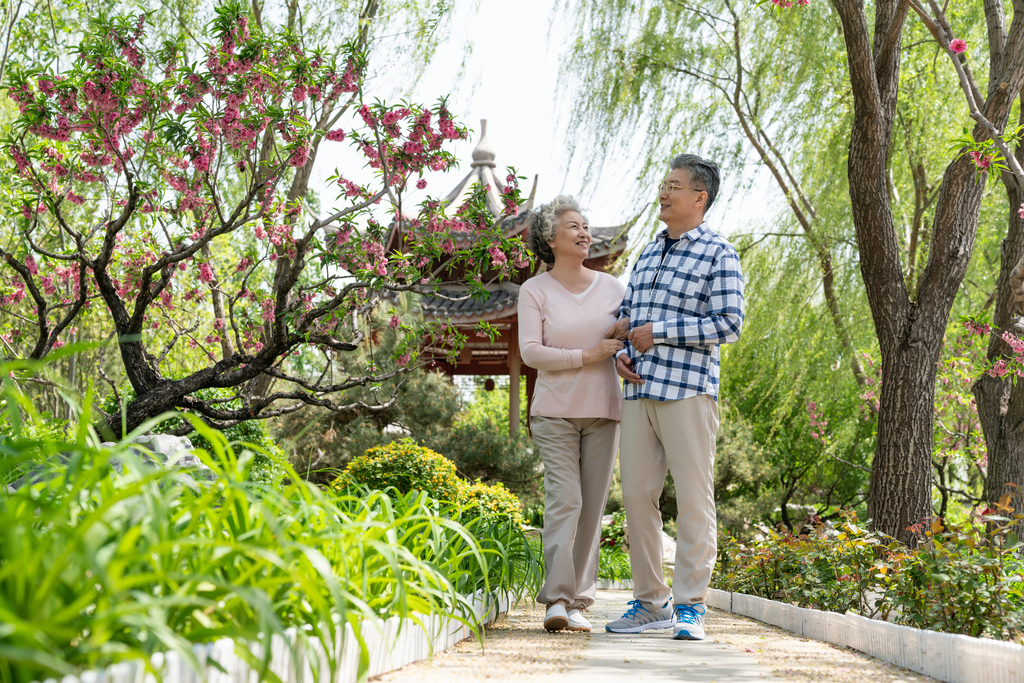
{"x": 510, "y": 79}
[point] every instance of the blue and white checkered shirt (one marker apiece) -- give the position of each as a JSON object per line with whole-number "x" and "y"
{"x": 694, "y": 297}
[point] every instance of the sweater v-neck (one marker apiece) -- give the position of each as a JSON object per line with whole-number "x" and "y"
{"x": 582, "y": 295}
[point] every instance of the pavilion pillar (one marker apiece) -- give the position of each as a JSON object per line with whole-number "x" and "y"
{"x": 514, "y": 369}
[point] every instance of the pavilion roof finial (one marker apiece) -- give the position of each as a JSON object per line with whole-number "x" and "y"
{"x": 484, "y": 154}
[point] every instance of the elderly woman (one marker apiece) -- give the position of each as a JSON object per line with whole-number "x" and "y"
{"x": 565, "y": 317}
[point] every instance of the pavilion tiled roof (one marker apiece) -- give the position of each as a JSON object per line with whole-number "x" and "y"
{"x": 501, "y": 302}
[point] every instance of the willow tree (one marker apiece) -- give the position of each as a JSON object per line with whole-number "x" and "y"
{"x": 741, "y": 81}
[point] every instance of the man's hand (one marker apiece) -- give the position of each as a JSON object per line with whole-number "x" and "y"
{"x": 642, "y": 337}
{"x": 622, "y": 366}
{"x": 619, "y": 330}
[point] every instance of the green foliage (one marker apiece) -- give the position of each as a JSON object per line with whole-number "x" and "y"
{"x": 960, "y": 579}
{"x": 834, "y": 574}
{"x": 429, "y": 410}
{"x": 486, "y": 452}
{"x": 614, "y": 535}
{"x": 613, "y": 565}
{"x": 97, "y": 566}
{"x": 491, "y": 500}
{"x": 406, "y": 467}
{"x": 323, "y": 442}
{"x": 269, "y": 460}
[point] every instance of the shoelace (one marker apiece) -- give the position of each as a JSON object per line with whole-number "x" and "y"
{"x": 688, "y": 614}
{"x": 634, "y": 607}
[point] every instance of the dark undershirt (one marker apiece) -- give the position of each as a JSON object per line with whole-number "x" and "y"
{"x": 669, "y": 243}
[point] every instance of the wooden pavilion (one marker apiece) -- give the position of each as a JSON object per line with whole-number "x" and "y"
{"x": 500, "y": 357}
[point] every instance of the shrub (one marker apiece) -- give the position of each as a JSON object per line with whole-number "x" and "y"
{"x": 492, "y": 500}
{"x": 614, "y": 535}
{"x": 485, "y": 451}
{"x": 960, "y": 579}
{"x": 406, "y": 467}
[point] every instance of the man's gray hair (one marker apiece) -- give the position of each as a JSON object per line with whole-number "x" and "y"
{"x": 544, "y": 222}
{"x": 702, "y": 172}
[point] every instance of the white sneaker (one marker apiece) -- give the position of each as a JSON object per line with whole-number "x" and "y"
{"x": 556, "y": 619}
{"x": 577, "y": 622}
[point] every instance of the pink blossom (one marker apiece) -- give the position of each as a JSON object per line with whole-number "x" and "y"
{"x": 1000, "y": 369}
{"x": 269, "y": 307}
{"x": 336, "y": 135}
{"x": 958, "y": 46}
{"x": 982, "y": 161}
{"x": 299, "y": 156}
{"x": 206, "y": 273}
{"x": 403, "y": 360}
{"x": 1020, "y": 211}
{"x": 1016, "y": 344}
{"x": 30, "y": 263}
{"x": 395, "y": 322}
{"x": 421, "y": 183}
{"x": 201, "y": 163}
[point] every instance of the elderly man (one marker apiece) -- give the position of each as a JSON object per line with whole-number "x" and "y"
{"x": 684, "y": 299}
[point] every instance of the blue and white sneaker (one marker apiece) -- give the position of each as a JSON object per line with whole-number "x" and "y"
{"x": 689, "y": 622}
{"x": 638, "y": 618}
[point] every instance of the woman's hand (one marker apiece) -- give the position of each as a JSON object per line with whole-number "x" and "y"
{"x": 619, "y": 330}
{"x": 604, "y": 349}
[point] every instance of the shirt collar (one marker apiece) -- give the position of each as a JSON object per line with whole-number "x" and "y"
{"x": 692, "y": 235}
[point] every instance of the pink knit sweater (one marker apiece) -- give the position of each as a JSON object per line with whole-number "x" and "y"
{"x": 555, "y": 326}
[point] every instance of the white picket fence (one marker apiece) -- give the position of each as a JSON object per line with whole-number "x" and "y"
{"x": 944, "y": 656}
{"x": 391, "y": 644}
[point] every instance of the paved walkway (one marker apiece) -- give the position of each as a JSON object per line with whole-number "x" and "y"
{"x": 653, "y": 657}
{"x": 738, "y": 650}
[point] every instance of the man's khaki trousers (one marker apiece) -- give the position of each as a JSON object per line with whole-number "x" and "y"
{"x": 579, "y": 457}
{"x": 658, "y": 436}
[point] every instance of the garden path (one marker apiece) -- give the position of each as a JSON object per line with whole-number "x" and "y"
{"x": 737, "y": 650}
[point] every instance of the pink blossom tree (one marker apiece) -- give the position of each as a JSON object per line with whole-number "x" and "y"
{"x": 136, "y": 171}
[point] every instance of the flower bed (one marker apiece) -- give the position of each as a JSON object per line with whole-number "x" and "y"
{"x": 960, "y": 579}
{"x": 98, "y": 567}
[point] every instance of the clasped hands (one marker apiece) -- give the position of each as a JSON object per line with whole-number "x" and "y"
{"x": 642, "y": 339}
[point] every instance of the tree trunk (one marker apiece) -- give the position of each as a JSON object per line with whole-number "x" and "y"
{"x": 910, "y": 333}
{"x": 1000, "y": 401}
{"x": 900, "y": 491}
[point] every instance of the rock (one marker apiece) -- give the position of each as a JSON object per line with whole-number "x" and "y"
{"x": 668, "y": 549}
{"x": 161, "y": 450}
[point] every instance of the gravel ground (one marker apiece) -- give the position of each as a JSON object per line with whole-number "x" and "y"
{"x": 515, "y": 649}
{"x": 795, "y": 658}
{"x": 518, "y": 649}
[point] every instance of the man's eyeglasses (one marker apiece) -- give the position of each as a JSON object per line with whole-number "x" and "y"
{"x": 672, "y": 188}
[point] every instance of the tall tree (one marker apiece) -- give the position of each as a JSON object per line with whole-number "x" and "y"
{"x": 910, "y": 331}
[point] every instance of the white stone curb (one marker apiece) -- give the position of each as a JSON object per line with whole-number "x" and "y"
{"x": 609, "y": 585}
{"x": 391, "y": 644}
{"x": 943, "y": 656}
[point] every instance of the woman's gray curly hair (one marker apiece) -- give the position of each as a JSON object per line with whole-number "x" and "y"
{"x": 544, "y": 223}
